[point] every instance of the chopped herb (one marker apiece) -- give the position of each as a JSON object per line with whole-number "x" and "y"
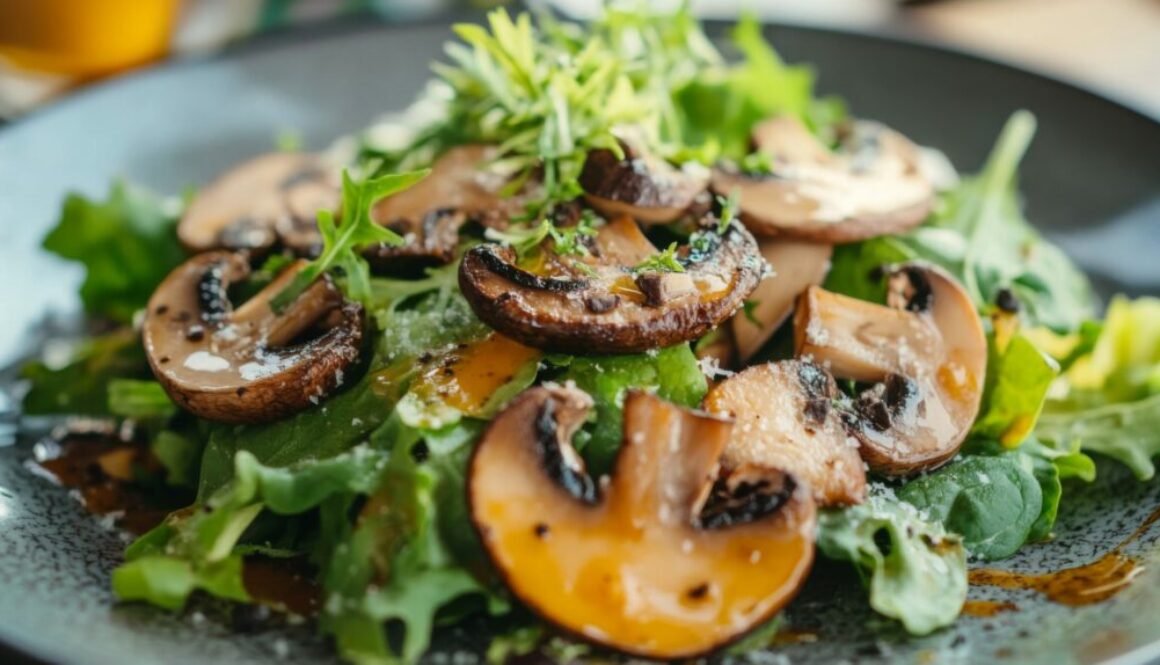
{"x": 757, "y": 163}
{"x": 728, "y": 211}
{"x": 525, "y": 240}
{"x": 340, "y": 243}
{"x": 749, "y": 307}
{"x": 663, "y": 261}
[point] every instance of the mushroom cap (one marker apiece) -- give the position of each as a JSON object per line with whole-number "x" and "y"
{"x": 785, "y": 420}
{"x": 662, "y": 562}
{"x": 872, "y": 186}
{"x": 796, "y": 265}
{"x": 642, "y": 186}
{"x": 247, "y": 365}
{"x": 609, "y": 308}
{"x": 264, "y": 201}
{"x": 926, "y": 352}
{"x": 429, "y": 214}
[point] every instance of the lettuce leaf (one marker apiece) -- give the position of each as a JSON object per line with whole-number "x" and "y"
{"x": 1128, "y": 432}
{"x": 917, "y": 574}
{"x": 673, "y": 373}
{"x": 126, "y": 243}
{"x": 81, "y": 386}
{"x": 991, "y": 501}
{"x": 1018, "y": 378}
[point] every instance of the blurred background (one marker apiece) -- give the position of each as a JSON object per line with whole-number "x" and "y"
{"x": 50, "y": 48}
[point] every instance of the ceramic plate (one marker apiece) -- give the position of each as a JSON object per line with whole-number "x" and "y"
{"x": 1092, "y": 182}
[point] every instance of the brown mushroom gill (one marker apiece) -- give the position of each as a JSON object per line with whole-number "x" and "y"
{"x": 605, "y": 306}
{"x": 661, "y": 561}
{"x": 248, "y": 364}
{"x": 429, "y": 214}
{"x": 873, "y": 185}
{"x": 269, "y": 200}
{"x": 926, "y": 353}
{"x": 785, "y": 420}
{"x": 796, "y": 265}
{"x": 640, "y": 185}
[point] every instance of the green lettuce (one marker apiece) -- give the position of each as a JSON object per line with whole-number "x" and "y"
{"x": 1018, "y": 378}
{"x": 81, "y": 385}
{"x": 673, "y": 373}
{"x": 916, "y": 573}
{"x": 126, "y": 243}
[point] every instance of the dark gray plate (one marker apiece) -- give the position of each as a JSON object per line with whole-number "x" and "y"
{"x": 1092, "y": 181}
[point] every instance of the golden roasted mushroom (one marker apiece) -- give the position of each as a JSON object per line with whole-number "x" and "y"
{"x": 872, "y": 186}
{"x": 249, "y": 364}
{"x": 664, "y": 561}
{"x": 926, "y": 353}
{"x": 785, "y": 420}
{"x": 796, "y": 265}
{"x": 269, "y": 200}
{"x": 642, "y": 186}
{"x": 600, "y": 303}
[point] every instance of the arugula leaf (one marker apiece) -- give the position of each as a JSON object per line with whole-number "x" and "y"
{"x": 992, "y": 502}
{"x": 81, "y": 387}
{"x": 340, "y": 243}
{"x": 127, "y": 244}
{"x": 167, "y": 581}
{"x": 720, "y": 105}
{"x": 672, "y": 372}
{"x": 917, "y": 576}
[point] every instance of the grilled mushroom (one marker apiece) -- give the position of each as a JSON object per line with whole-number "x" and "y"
{"x": 666, "y": 560}
{"x": 641, "y": 185}
{"x": 600, "y": 304}
{"x": 796, "y": 266}
{"x": 872, "y": 186}
{"x": 268, "y": 200}
{"x": 249, "y": 364}
{"x": 925, "y": 352}
{"x": 784, "y": 420}
{"x": 430, "y": 214}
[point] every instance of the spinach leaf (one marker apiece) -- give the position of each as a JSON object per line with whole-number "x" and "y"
{"x": 127, "y": 244}
{"x": 672, "y": 372}
{"x": 993, "y": 502}
{"x": 916, "y": 571}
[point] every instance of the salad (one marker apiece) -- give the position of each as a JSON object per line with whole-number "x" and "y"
{"x": 599, "y": 344}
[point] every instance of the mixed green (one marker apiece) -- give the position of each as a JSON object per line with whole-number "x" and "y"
{"x": 367, "y": 488}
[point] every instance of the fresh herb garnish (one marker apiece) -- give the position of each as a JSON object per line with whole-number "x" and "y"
{"x": 341, "y": 243}
{"x": 749, "y": 308}
{"x": 663, "y": 261}
{"x": 527, "y": 240}
{"x": 729, "y": 207}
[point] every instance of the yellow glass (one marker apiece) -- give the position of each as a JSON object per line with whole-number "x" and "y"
{"x": 85, "y": 38}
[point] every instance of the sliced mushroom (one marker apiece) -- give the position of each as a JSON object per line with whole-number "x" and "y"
{"x": 926, "y": 353}
{"x": 430, "y": 214}
{"x": 597, "y": 304}
{"x": 268, "y": 200}
{"x": 666, "y": 560}
{"x": 872, "y": 186}
{"x": 642, "y": 186}
{"x": 785, "y": 420}
{"x": 796, "y": 265}
{"x": 249, "y": 364}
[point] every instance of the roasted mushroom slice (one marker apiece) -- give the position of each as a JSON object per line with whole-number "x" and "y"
{"x": 796, "y": 265}
{"x": 430, "y": 214}
{"x": 642, "y": 186}
{"x": 604, "y": 306}
{"x": 872, "y": 186}
{"x": 249, "y": 364}
{"x": 925, "y": 352}
{"x": 665, "y": 560}
{"x": 785, "y": 420}
{"x": 268, "y": 200}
